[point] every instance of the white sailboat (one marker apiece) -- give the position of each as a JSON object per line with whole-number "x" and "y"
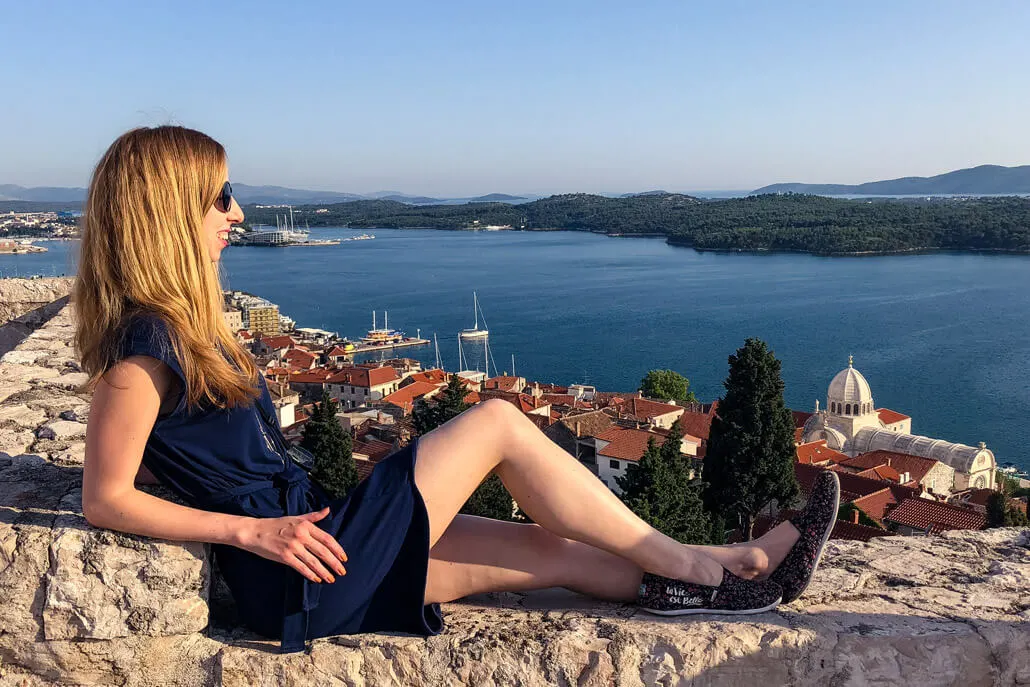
{"x": 475, "y": 332}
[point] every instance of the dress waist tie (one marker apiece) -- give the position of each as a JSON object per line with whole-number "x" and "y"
{"x": 300, "y": 595}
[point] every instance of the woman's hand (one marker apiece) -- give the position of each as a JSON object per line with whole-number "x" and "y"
{"x": 296, "y": 541}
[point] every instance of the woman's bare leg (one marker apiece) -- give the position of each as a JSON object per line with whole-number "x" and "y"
{"x": 477, "y": 555}
{"x": 555, "y": 490}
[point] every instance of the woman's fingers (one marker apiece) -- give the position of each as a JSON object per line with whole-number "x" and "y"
{"x": 314, "y": 564}
{"x": 330, "y": 542}
{"x": 300, "y": 567}
{"x": 325, "y": 555}
{"x": 317, "y": 515}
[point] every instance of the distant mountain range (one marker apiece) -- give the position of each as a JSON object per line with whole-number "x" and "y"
{"x": 260, "y": 195}
{"x": 982, "y": 180}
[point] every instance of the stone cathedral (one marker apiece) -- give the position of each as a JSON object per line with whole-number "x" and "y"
{"x": 852, "y": 424}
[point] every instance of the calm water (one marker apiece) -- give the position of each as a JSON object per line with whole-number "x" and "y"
{"x": 944, "y": 338}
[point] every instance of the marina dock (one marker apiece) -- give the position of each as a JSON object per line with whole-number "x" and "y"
{"x": 404, "y": 343}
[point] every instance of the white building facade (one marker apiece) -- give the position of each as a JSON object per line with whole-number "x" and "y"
{"x": 852, "y": 424}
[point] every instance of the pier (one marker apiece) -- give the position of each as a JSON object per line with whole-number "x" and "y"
{"x": 404, "y": 343}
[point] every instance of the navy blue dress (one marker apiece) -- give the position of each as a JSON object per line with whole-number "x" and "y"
{"x": 230, "y": 461}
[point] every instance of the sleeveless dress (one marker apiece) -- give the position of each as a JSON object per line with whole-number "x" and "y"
{"x": 225, "y": 460}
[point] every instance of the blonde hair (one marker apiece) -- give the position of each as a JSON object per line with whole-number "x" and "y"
{"x": 143, "y": 251}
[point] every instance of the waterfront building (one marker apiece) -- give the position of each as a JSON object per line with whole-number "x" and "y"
{"x": 264, "y": 319}
{"x": 274, "y": 346}
{"x": 355, "y": 386}
{"x": 233, "y": 319}
{"x": 851, "y": 423}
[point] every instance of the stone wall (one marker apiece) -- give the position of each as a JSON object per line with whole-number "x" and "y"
{"x": 85, "y": 606}
{"x": 26, "y": 304}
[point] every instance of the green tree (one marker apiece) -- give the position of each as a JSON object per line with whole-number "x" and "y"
{"x": 660, "y": 490}
{"x": 449, "y": 403}
{"x": 750, "y": 456}
{"x": 667, "y": 384}
{"x": 1001, "y": 514}
{"x": 490, "y": 499}
{"x": 331, "y": 445}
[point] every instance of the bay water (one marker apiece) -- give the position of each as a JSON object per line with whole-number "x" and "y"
{"x": 943, "y": 337}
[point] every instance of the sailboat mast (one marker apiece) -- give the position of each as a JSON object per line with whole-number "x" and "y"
{"x": 475, "y": 307}
{"x": 436, "y": 345}
{"x": 513, "y": 365}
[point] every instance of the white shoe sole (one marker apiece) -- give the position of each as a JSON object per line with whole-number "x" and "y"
{"x": 712, "y": 611}
{"x": 822, "y": 545}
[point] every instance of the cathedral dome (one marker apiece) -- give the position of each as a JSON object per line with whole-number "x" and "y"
{"x": 849, "y": 392}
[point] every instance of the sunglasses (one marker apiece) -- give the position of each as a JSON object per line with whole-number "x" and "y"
{"x": 224, "y": 200}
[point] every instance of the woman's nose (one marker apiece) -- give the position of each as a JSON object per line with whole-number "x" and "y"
{"x": 236, "y": 212}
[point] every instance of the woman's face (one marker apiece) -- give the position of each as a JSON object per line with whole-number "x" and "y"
{"x": 216, "y": 227}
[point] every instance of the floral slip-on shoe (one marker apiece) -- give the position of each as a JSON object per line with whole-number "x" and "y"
{"x": 814, "y": 523}
{"x": 733, "y": 596}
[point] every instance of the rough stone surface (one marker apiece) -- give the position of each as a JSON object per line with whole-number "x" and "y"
{"x": 25, "y": 304}
{"x": 82, "y": 606}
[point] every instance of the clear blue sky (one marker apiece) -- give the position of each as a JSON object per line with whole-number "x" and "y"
{"x": 461, "y": 98}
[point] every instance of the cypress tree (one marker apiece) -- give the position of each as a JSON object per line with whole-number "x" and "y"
{"x": 334, "y": 468}
{"x": 490, "y": 499}
{"x": 658, "y": 489}
{"x": 750, "y": 456}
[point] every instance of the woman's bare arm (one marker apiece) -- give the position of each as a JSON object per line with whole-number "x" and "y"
{"x": 123, "y": 411}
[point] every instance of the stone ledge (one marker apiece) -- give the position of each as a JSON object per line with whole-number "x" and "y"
{"x": 86, "y": 606}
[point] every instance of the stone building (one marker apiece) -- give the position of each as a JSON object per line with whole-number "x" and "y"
{"x": 851, "y": 423}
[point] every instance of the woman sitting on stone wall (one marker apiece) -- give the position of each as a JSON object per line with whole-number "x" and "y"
{"x": 174, "y": 391}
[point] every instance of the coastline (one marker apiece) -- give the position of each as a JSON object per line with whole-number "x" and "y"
{"x": 671, "y": 240}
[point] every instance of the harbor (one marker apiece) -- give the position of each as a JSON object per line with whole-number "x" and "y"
{"x": 284, "y": 235}
{"x": 381, "y": 339}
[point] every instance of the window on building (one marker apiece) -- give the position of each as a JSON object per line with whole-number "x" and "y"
{"x": 847, "y": 409}
{"x": 613, "y": 464}
{"x": 366, "y": 392}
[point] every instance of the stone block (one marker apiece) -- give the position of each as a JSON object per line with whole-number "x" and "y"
{"x": 103, "y": 584}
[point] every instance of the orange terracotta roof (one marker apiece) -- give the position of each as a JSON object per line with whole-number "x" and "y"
{"x": 406, "y": 396}
{"x": 916, "y": 466}
{"x": 434, "y": 376}
{"x": 877, "y": 504}
{"x": 296, "y": 356}
{"x": 316, "y": 376}
{"x": 551, "y": 388}
{"x": 278, "y": 342}
{"x": 502, "y": 383}
{"x": 884, "y": 472}
{"x": 922, "y": 514}
{"x": 336, "y": 352}
{"x": 798, "y": 434}
{"x": 375, "y": 449}
{"x": 625, "y": 444}
{"x": 860, "y": 486}
{"x": 889, "y": 417}
{"x": 365, "y": 377}
{"x": 563, "y": 399}
{"x": 815, "y": 452}
{"x": 644, "y": 409}
{"x": 696, "y": 424}
{"x": 364, "y": 468}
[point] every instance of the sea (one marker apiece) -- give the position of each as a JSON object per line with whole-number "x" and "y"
{"x": 942, "y": 337}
